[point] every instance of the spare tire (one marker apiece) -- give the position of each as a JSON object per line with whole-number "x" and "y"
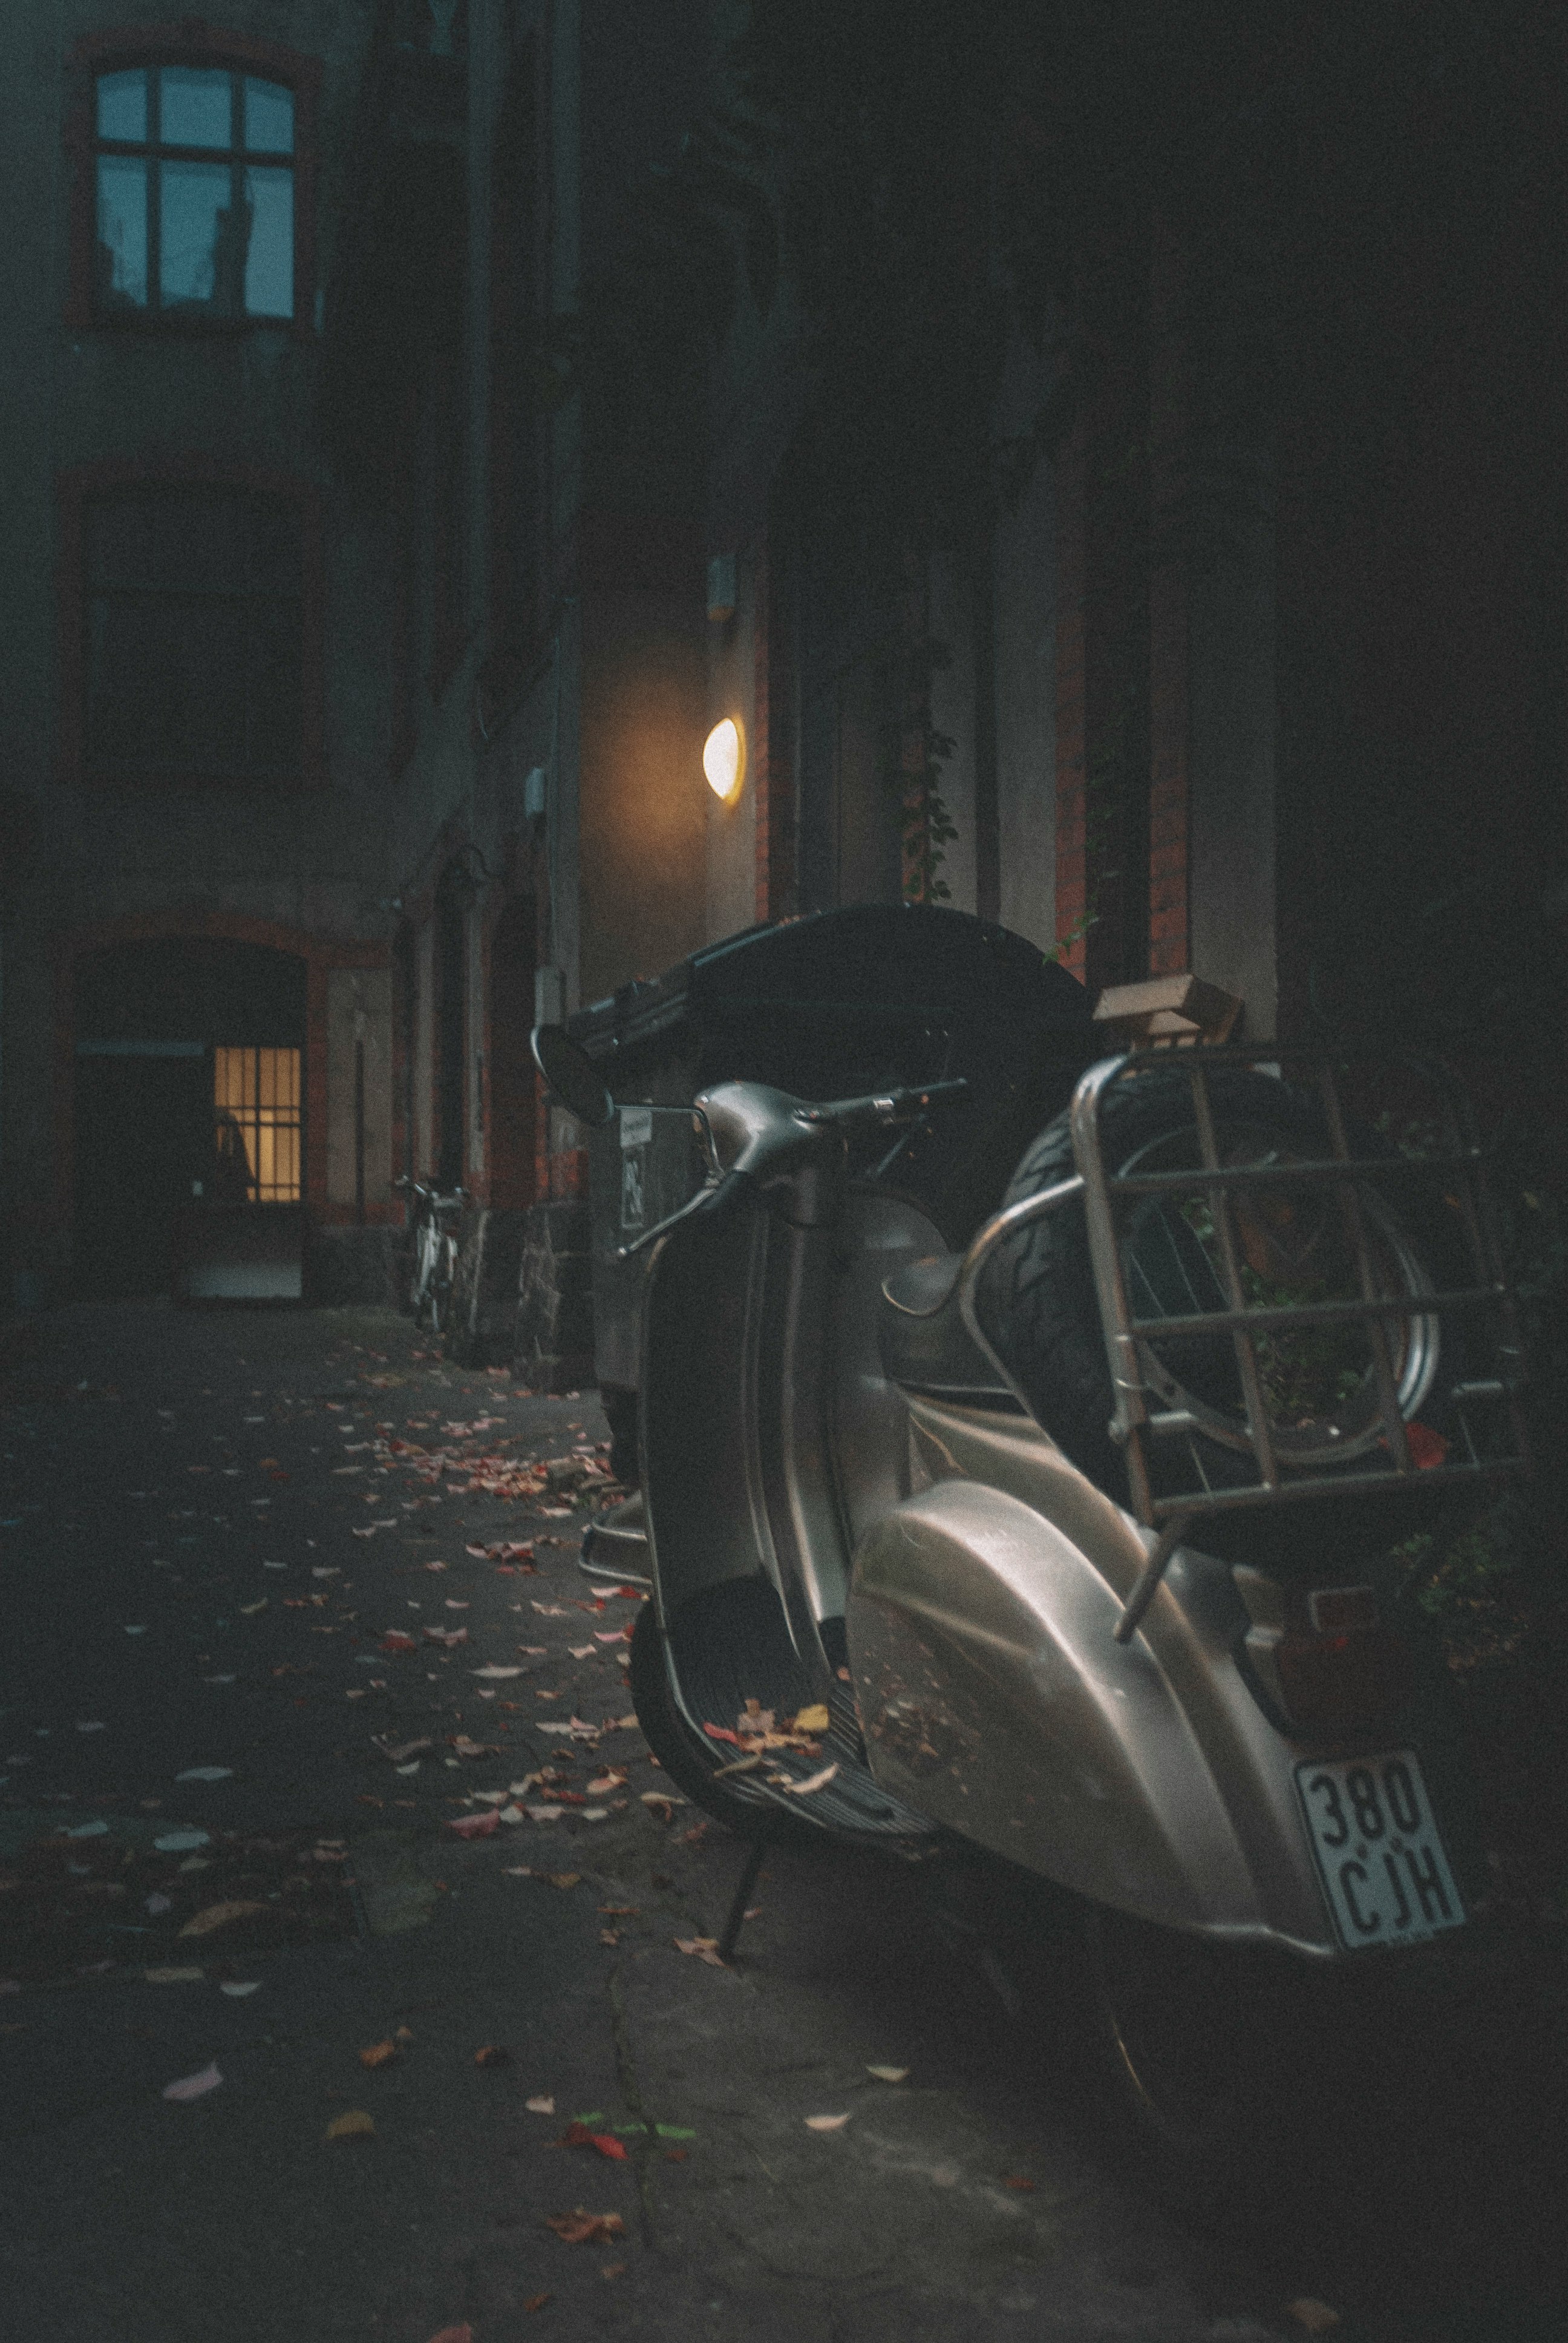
{"x": 1038, "y": 1306}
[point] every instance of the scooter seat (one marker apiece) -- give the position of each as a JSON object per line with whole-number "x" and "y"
{"x": 925, "y": 1345}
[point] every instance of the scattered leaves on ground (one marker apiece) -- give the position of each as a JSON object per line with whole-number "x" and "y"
{"x": 194, "y": 2086}
{"x": 355, "y": 2124}
{"x": 580, "y": 2228}
{"x": 379, "y": 2053}
{"x": 705, "y": 1948}
{"x": 206, "y": 1922}
{"x": 826, "y": 2123}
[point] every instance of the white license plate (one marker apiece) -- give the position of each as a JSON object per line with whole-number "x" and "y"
{"x": 1379, "y": 1855}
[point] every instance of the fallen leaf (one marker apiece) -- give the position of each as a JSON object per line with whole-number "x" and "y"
{"x": 619, "y": 1910}
{"x": 379, "y": 2053}
{"x": 399, "y": 1750}
{"x": 580, "y": 2228}
{"x": 494, "y": 2054}
{"x": 353, "y": 2125}
{"x": 174, "y": 1976}
{"x": 219, "y": 1916}
{"x": 705, "y": 1948}
{"x": 1017, "y": 2180}
{"x": 826, "y": 2123}
{"x": 395, "y": 1640}
{"x": 564, "y": 1878}
{"x": 177, "y": 1842}
{"x": 250, "y": 1610}
{"x": 535, "y": 2301}
{"x": 815, "y": 1782}
{"x": 466, "y": 1747}
{"x": 462, "y": 2334}
{"x": 814, "y": 1719}
{"x": 888, "y": 2074}
{"x": 205, "y": 1773}
{"x": 578, "y": 2135}
{"x": 542, "y": 2105}
{"x": 237, "y": 1990}
{"x": 156, "y": 1903}
{"x": 493, "y": 1671}
{"x": 605, "y": 1783}
{"x": 194, "y": 2086}
{"x": 474, "y": 1825}
{"x": 738, "y": 1766}
{"x": 1316, "y": 2316}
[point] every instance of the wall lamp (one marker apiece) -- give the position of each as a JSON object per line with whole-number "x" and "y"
{"x": 724, "y": 760}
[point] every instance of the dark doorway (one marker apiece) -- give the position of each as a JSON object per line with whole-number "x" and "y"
{"x": 161, "y": 1028}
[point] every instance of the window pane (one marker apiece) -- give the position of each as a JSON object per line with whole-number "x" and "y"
{"x": 203, "y": 255}
{"x": 123, "y": 106}
{"x": 197, "y": 107}
{"x": 133, "y": 684}
{"x": 268, "y": 117}
{"x": 269, "y": 263}
{"x": 122, "y": 253}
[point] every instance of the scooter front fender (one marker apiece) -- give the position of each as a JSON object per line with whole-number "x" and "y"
{"x": 995, "y": 1698}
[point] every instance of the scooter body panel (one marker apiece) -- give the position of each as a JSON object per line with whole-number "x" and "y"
{"x": 994, "y": 1696}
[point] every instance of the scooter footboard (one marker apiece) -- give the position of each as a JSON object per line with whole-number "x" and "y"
{"x": 995, "y": 1698}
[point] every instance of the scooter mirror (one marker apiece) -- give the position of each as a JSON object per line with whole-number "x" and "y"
{"x": 570, "y": 1075}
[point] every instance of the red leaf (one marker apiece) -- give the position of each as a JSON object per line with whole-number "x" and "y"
{"x": 475, "y": 1825}
{"x": 722, "y": 1733}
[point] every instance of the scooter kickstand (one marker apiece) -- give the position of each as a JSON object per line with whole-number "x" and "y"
{"x": 732, "y": 1926}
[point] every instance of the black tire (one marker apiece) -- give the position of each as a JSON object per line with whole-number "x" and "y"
{"x": 1038, "y": 1308}
{"x": 1191, "y": 2050}
{"x": 670, "y": 1739}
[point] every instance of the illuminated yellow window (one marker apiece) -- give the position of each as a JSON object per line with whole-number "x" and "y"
{"x": 255, "y": 1106}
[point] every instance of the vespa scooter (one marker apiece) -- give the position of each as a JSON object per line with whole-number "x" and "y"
{"x": 1074, "y": 1546}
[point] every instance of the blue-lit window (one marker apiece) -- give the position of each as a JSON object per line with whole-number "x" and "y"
{"x": 195, "y": 194}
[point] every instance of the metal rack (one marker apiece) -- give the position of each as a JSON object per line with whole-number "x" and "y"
{"x": 1135, "y": 1422}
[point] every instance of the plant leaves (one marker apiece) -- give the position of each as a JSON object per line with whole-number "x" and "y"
{"x": 379, "y": 2053}
{"x": 814, "y": 1719}
{"x": 888, "y": 2074}
{"x": 826, "y": 2123}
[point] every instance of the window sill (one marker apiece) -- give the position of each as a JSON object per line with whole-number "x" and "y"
{"x": 184, "y": 779}
{"x": 157, "y": 326}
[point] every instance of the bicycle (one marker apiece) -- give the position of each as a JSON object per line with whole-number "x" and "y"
{"x": 435, "y": 1251}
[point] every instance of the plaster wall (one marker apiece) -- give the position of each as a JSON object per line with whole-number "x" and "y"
{"x": 731, "y": 829}
{"x": 1231, "y": 734}
{"x": 360, "y": 1015}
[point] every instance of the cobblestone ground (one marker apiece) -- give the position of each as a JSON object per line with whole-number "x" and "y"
{"x": 269, "y": 1637}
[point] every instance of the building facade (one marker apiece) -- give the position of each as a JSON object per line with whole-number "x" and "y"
{"x": 404, "y": 476}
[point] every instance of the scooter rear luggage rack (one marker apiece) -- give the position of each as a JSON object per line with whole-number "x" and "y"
{"x": 1460, "y": 1159}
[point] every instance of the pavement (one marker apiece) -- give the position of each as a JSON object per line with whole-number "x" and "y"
{"x": 270, "y": 1548}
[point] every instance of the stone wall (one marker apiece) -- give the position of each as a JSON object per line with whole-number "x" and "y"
{"x": 484, "y": 1322}
{"x": 553, "y": 1347}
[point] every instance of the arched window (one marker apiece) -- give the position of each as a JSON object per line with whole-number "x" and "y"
{"x": 193, "y": 182}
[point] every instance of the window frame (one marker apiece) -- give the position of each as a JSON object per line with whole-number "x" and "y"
{"x": 126, "y": 49}
{"x": 77, "y": 488}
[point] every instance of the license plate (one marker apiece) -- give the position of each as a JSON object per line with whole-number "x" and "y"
{"x": 1379, "y": 1855}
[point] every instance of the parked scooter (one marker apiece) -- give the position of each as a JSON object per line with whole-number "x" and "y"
{"x": 1073, "y": 1545}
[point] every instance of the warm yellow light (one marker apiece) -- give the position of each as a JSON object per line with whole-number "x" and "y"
{"x": 724, "y": 758}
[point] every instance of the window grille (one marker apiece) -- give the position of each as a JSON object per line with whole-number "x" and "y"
{"x": 195, "y": 187}
{"x": 255, "y": 1106}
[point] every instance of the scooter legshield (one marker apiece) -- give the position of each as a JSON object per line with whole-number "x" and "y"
{"x": 995, "y": 1698}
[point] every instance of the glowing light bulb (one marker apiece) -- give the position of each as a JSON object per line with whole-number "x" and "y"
{"x": 724, "y": 758}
